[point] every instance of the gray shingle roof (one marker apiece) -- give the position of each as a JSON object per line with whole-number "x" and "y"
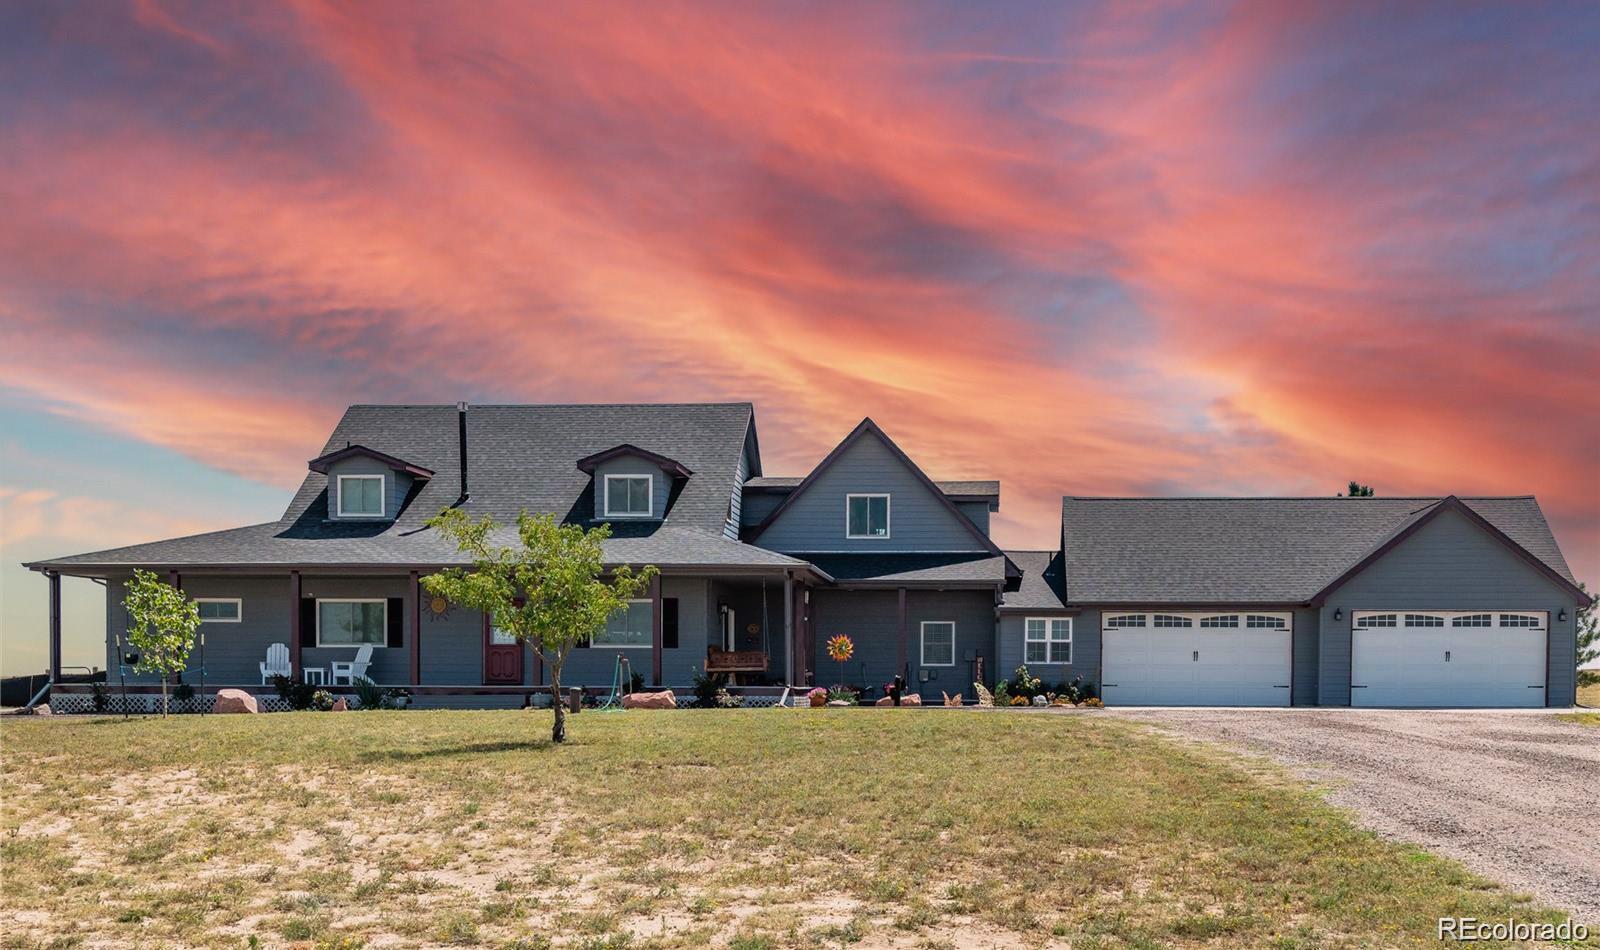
{"x": 1041, "y": 584}
{"x": 911, "y": 568}
{"x": 1261, "y": 550}
{"x": 518, "y": 457}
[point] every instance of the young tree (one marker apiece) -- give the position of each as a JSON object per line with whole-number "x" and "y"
{"x": 1587, "y": 620}
{"x": 162, "y": 624}
{"x": 1358, "y": 490}
{"x": 550, "y": 591}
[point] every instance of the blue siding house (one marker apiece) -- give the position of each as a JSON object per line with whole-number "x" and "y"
{"x": 1175, "y": 601}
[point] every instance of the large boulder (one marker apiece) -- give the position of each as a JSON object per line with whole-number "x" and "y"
{"x": 43, "y": 709}
{"x": 339, "y": 705}
{"x": 234, "y": 701}
{"x": 661, "y": 700}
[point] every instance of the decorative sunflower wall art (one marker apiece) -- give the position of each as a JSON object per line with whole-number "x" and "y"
{"x": 438, "y": 608}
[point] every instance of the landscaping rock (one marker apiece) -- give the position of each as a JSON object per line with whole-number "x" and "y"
{"x": 1040, "y": 701}
{"x": 909, "y": 699}
{"x": 234, "y": 701}
{"x": 43, "y": 709}
{"x": 661, "y": 700}
{"x": 339, "y": 705}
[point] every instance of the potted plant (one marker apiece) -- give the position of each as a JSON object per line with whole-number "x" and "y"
{"x": 818, "y": 696}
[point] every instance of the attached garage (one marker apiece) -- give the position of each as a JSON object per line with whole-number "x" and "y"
{"x": 1448, "y": 658}
{"x": 1190, "y": 658}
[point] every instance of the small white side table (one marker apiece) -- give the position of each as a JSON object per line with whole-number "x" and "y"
{"x": 316, "y": 675}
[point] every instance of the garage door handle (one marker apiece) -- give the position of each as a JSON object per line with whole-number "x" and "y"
{"x": 1447, "y": 656}
{"x": 1197, "y": 656}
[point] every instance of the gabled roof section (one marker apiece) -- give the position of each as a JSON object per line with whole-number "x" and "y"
{"x": 867, "y": 428}
{"x": 1041, "y": 583}
{"x": 956, "y": 490}
{"x": 1265, "y": 550}
{"x": 673, "y": 467}
{"x": 322, "y": 463}
{"x": 1421, "y": 517}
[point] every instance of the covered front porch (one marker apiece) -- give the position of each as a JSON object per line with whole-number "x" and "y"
{"x": 308, "y": 623}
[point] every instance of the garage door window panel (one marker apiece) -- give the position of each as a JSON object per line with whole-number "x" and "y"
{"x": 1172, "y": 620}
{"x": 1126, "y": 620}
{"x": 1230, "y": 620}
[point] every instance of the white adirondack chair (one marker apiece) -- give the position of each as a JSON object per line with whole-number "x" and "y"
{"x": 346, "y": 672}
{"x": 277, "y": 663}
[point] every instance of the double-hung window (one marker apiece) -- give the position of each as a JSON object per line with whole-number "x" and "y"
{"x": 1047, "y": 640}
{"x": 866, "y": 516}
{"x": 360, "y": 496}
{"x": 352, "y": 623}
{"x": 938, "y": 643}
{"x": 629, "y": 496}
{"x": 219, "y": 609}
{"x": 632, "y": 627}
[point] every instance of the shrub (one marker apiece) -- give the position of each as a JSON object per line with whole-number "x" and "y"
{"x": 322, "y": 700}
{"x": 292, "y": 691}
{"x": 101, "y": 694}
{"x": 183, "y": 695}
{"x": 1025, "y": 684}
{"x": 842, "y": 694}
{"x": 727, "y": 700}
{"x": 1002, "y": 693}
{"x": 705, "y": 689}
{"x": 370, "y": 695}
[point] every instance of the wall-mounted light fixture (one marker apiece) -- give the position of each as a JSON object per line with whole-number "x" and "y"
{"x": 1562, "y": 616}
{"x": 1338, "y": 613}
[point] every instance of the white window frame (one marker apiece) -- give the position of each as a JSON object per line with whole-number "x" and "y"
{"x": 238, "y": 609}
{"x": 923, "y": 637}
{"x": 383, "y": 496}
{"x": 888, "y": 516}
{"x": 594, "y": 642}
{"x": 649, "y": 496}
{"x": 1048, "y": 641}
{"x": 382, "y": 643}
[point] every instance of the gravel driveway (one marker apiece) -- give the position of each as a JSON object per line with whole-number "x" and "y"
{"x": 1515, "y": 796}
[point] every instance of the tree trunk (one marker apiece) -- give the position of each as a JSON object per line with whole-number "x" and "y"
{"x": 558, "y": 732}
{"x": 163, "y": 695}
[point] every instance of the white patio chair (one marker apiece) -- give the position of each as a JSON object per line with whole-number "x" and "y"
{"x": 345, "y": 673}
{"x": 276, "y": 664}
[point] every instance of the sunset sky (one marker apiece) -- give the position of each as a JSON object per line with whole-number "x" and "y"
{"x": 1136, "y": 248}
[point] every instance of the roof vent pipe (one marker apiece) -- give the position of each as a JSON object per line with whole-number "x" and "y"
{"x": 461, "y": 428}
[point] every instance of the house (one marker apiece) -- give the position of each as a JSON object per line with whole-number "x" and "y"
{"x": 1329, "y": 601}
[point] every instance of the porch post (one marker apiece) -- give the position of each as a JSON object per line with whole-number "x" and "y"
{"x": 788, "y": 628}
{"x": 902, "y": 643}
{"x": 294, "y": 625}
{"x": 55, "y": 625}
{"x": 416, "y": 629}
{"x": 175, "y": 579}
{"x": 656, "y": 639}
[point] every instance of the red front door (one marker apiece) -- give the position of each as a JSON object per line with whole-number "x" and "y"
{"x": 502, "y": 658}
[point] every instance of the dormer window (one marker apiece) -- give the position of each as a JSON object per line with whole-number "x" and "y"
{"x": 361, "y": 496}
{"x": 866, "y": 516}
{"x": 629, "y": 496}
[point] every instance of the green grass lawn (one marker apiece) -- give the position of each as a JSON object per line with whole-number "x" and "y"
{"x": 747, "y": 828}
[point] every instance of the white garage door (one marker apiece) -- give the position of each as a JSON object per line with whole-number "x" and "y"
{"x": 1447, "y": 658}
{"x": 1157, "y": 658}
